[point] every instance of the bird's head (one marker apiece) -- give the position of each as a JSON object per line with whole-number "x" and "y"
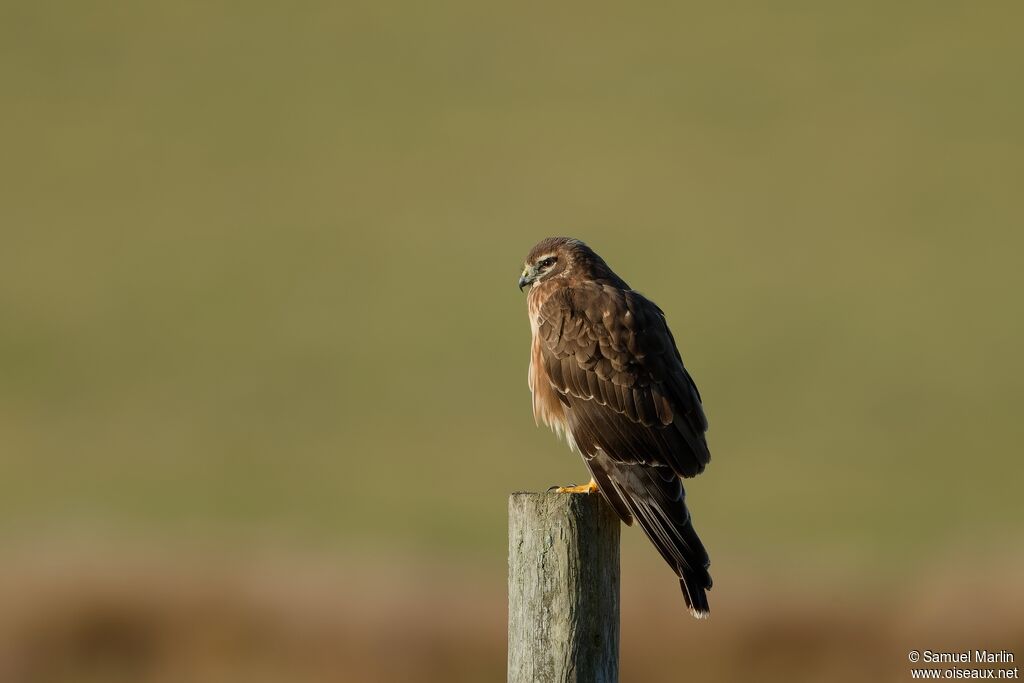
{"x": 562, "y": 258}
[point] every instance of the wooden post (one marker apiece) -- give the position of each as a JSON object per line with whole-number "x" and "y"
{"x": 563, "y": 589}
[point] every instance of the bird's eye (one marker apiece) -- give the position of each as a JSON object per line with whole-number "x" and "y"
{"x": 548, "y": 262}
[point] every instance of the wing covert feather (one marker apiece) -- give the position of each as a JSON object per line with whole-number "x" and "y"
{"x": 610, "y": 353}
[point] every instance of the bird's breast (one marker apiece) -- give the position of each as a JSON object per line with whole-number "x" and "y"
{"x": 547, "y": 407}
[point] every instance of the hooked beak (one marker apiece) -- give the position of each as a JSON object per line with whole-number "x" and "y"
{"x": 527, "y": 278}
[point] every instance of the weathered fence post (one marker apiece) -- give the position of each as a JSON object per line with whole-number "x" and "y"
{"x": 563, "y": 589}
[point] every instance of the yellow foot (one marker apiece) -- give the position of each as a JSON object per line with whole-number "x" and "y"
{"x": 582, "y": 488}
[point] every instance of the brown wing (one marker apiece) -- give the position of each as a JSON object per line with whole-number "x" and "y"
{"x": 634, "y": 413}
{"x": 612, "y": 351}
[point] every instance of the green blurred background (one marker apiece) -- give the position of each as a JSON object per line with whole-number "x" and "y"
{"x": 258, "y": 317}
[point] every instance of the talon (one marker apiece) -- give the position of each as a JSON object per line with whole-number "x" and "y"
{"x": 582, "y": 488}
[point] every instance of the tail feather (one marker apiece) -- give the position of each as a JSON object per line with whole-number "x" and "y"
{"x": 695, "y": 580}
{"x": 695, "y": 594}
{"x": 654, "y": 497}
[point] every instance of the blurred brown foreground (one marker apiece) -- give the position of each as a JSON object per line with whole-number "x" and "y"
{"x": 153, "y": 617}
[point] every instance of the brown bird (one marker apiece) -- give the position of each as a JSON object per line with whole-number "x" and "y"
{"x": 605, "y": 373}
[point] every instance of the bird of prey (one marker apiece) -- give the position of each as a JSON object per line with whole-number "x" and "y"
{"x": 605, "y": 374}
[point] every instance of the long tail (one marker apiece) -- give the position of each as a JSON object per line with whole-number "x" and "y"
{"x": 654, "y": 497}
{"x": 696, "y": 582}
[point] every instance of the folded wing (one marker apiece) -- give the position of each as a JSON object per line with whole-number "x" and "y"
{"x": 634, "y": 413}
